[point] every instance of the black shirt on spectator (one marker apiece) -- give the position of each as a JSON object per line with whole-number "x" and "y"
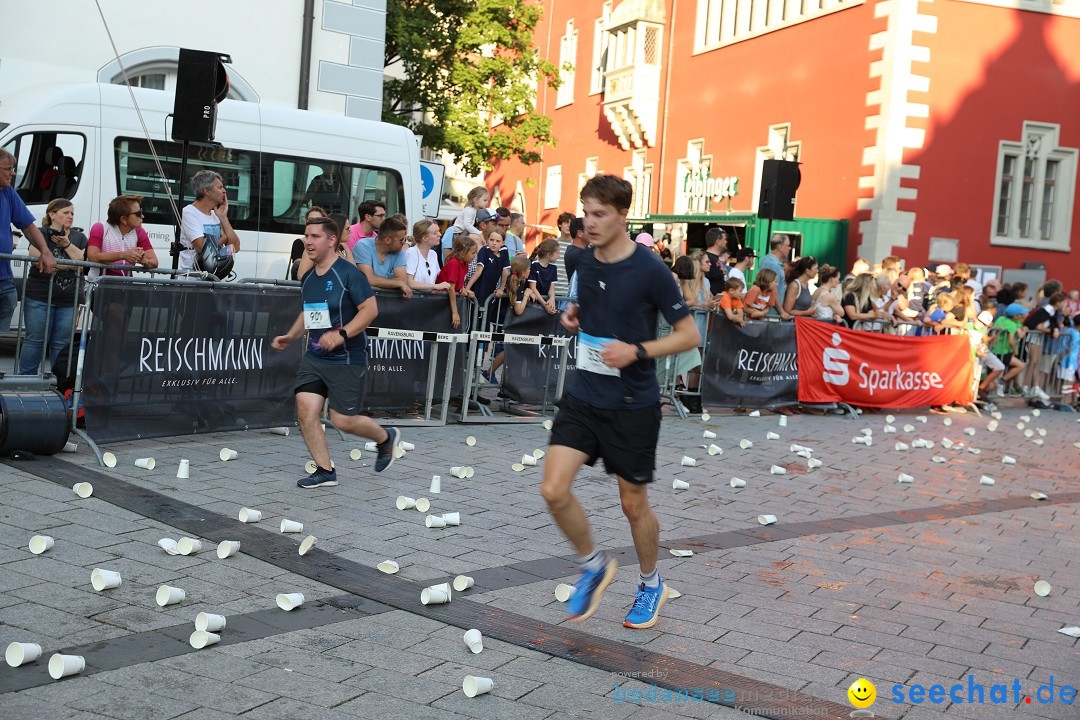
{"x": 65, "y": 282}
{"x": 570, "y": 260}
{"x": 717, "y": 275}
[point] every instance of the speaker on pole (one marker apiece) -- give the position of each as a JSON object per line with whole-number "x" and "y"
{"x": 779, "y": 181}
{"x": 201, "y": 83}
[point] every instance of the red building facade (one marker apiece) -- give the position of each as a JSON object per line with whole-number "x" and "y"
{"x": 943, "y": 131}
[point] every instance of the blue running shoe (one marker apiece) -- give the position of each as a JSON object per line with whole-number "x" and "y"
{"x": 319, "y": 478}
{"x": 590, "y": 586}
{"x": 388, "y": 449}
{"x": 647, "y": 604}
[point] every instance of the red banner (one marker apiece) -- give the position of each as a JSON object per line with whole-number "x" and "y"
{"x": 875, "y": 370}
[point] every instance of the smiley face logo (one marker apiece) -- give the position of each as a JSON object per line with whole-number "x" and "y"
{"x": 862, "y": 693}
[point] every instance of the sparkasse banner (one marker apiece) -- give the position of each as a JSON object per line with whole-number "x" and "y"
{"x": 874, "y": 370}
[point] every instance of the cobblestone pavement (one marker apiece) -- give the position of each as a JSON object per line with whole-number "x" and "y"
{"x": 920, "y": 584}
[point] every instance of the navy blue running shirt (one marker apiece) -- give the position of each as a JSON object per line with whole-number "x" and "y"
{"x": 620, "y": 301}
{"x": 341, "y": 289}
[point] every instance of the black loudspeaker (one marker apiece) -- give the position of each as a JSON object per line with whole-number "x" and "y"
{"x": 201, "y": 83}
{"x": 779, "y": 181}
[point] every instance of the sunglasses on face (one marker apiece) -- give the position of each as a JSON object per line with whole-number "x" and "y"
{"x": 137, "y": 213}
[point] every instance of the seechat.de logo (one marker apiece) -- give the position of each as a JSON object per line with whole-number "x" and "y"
{"x": 835, "y": 361}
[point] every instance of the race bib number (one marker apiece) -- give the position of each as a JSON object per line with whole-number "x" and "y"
{"x": 588, "y": 355}
{"x": 316, "y": 316}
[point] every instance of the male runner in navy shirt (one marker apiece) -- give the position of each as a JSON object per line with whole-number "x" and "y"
{"x": 339, "y": 305}
{"x": 612, "y": 408}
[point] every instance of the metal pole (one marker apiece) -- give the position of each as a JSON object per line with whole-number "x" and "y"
{"x": 176, "y": 246}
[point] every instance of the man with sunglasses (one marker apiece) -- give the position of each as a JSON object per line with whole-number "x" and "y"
{"x": 13, "y": 211}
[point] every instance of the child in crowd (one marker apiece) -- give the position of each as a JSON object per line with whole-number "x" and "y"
{"x": 492, "y": 269}
{"x": 545, "y": 272}
{"x": 520, "y": 293}
{"x": 465, "y": 222}
{"x": 763, "y": 295}
{"x": 977, "y": 333}
{"x": 1011, "y": 330}
{"x": 940, "y": 317}
{"x": 455, "y": 269}
{"x": 731, "y": 301}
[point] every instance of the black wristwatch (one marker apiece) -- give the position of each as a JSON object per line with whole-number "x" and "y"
{"x": 641, "y": 354}
{"x": 344, "y": 335}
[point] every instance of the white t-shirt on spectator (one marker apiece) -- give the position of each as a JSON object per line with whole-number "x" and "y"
{"x": 194, "y": 225}
{"x": 734, "y": 272}
{"x": 417, "y": 269}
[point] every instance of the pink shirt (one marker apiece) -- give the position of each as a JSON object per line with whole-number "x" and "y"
{"x": 356, "y": 234}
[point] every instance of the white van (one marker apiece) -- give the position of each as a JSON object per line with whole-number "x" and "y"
{"x": 85, "y": 143}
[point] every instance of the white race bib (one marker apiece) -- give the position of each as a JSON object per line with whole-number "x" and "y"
{"x": 316, "y": 316}
{"x": 588, "y": 355}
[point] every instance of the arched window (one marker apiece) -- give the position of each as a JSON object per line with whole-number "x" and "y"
{"x": 155, "y": 67}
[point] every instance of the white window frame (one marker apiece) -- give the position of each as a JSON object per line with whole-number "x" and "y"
{"x": 599, "y": 51}
{"x": 553, "y": 187}
{"x": 780, "y": 147}
{"x": 592, "y": 166}
{"x": 1040, "y": 144}
{"x": 725, "y": 22}
{"x": 567, "y": 54}
{"x": 640, "y": 176}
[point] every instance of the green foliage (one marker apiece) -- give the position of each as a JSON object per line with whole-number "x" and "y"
{"x": 465, "y": 63}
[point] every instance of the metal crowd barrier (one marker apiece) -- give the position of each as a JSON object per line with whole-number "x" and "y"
{"x": 1044, "y": 377}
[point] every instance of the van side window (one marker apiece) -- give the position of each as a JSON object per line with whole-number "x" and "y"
{"x": 50, "y": 165}
{"x": 299, "y": 183}
{"x": 137, "y": 174}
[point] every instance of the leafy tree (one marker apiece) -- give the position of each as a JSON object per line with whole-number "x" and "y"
{"x": 466, "y": 62}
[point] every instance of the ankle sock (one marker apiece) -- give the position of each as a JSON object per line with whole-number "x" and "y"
{"x": 594, "y": 560}
{"x": 651, "y": 580}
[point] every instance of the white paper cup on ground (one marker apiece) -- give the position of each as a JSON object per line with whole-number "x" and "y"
{"x": 83, "y": 489}
{"x": 798, "y": 448}
{"x": 434, "y": 521}
{"x": 777, "y": 470}
{"x": 473, "y": 686}
{"x": 1042, "y": 588}
{"x": 946, "y": 443}
{"x": 474, "y": 641}
{"x": 355, "y": 454}
{"x": 470, "y": 441}
{"x": 974, "y": 451}
{"x": 1039, "y": 496}
{"x": 813, "y": 463}
{"x": 681, "y": 553}
{"x": 434, "y": 595}
{"x": 737, "y": 482}
{"x": 678, "y": 484}
{"x": 1029, "y": 433}
{"x": 890, "y": 418}
{"x": 459, "y": 471}
{"x": 563, "y": 592}
{"x": 469, "y": 472}
{"x": 705, "y": 417}
{"x": 61, "y": 666}
{"x": 947, "y": 422}
{"x": 709, "y": 435}
{"x": 921, "y": 418}
{"x": 969, "y": 431}
{"x": 189, "y": 546}
{"x": 909, "y": 428}
{"x": 746, "y": 444}
{"x": 436, "y": 485}
{"x": 422, "y": 505}
{"x": 783, "y": 421}
{"x": 766, "y": 519}
{"x": 291, "y": 526}
{"x": 20, "y": 653}
{"x": 183, "y": 471}
{"x": 548, "y": 424}
{"x": 168, "y": 595}
{"x": 517, "y": 467}
{"x": 900, "y": 446}
{"x": 986, "y": 480}
{"x": 1041, "y": 431}
{"x": 452, "y": 519}
{"x": 528, "y": 460}
{"x": 405, "y": 503}
{"x": 772, "y": 436}
{"x": 227, "y": 454}
{"x": 889, "y": 430}
{"x": 290, "y": 601}
{"x": 169, "y": 546}
{"x": 109, "y": 459}
{"x": 938, "y": 459}
{"x": 715, "y": 450}
{"x": 688, "y": 461}
{"x": 408, "y": 446}
{"x": 754, "y": 413}
{"x": 104, "y": 579}
{"x": 307, "y": 544}
{"x": 248, "y": 515}
{"x": 868, "y": 432}
{"x": 70, "y": 447}
{"x": 463, "y": 583}
{"x": 806, "y": 454}
{"x": 388, "y": 566}
{"x": 208, "y": 622}
{"x": 905, "y": 478}
{"x": 146, "y": 463}
{"x": 672, "y": 593}
{"x": 227, "y": 548}
{"x": 201, "y": 638}
{"x": 280, "y": 431}
{"x": 41, "y": 543}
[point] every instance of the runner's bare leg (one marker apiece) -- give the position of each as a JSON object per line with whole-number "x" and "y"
{"x": 308, "y": 411}
{"x": 561, "y": 464}
{"x": 360, "y": 425}
{"x": 643, "y": 523}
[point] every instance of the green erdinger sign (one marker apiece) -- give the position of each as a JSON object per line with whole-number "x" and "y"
{"x": 698, "y": 185}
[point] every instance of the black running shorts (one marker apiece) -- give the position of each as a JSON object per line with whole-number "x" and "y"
{"x": 624, "y": 439}
{"x": 343, "y": 384}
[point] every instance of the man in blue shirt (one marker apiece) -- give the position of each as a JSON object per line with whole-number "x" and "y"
{"x": 13, "y": 211}
{"x": 515, "y": 245}
{"x": 382, "y": 259}
{"x": 779, "y": 253}
{"x": 612, "y": 408}
{"x": 339, "y": 305}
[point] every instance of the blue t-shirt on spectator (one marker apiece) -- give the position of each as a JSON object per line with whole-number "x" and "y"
{"x": 543, "y": 277}
{"x": 935, "y": 316}
{"x": 514, "y": 245}
{"x": 340, "y": 290}
{"x": 448, "y": 239}
{"x": 620, "y": 301}
{"x": 13, "y": 211}
{"x": 493, "y": 267}
{"x": 365, "y": 254}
